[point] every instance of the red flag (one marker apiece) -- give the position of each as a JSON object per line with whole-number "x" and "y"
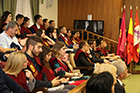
{"x": 122, "y": 38}
{"x": 130, "y": 40}
{"x": 136, "y": 38}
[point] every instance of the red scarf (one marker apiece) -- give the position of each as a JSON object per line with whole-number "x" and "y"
{"x": 60, "y": 63}
{"x": 69, "y": 41}
{"x": 45, "y": 42}
{"x": 49, "y": 73}
{"x": 99, "y": 49}
{"x": 105, "y": 51}
{"x": 25, "y": 30}
{"x": 35, "y": 27}
{"x": 21, "y": 80}
{"x": 77, "y": 42}
{"x": 36, "y": 74}
{"x": 78, "y": 53}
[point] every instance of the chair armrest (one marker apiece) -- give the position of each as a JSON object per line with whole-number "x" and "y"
{"x": 43, "y": 89}
{"x": 84, "y": 67}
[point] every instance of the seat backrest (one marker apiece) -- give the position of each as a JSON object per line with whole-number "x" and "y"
{"x": 72, "y": 62}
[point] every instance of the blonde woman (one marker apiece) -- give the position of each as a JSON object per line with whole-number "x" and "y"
{"x": 16, "y": 62}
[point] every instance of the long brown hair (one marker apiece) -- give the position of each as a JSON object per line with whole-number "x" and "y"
{"x": 57, "y": 47}
{"x": 42, "y": 55}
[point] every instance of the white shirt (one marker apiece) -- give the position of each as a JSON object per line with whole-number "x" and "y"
{"x": 38, "y": 27}
{"x": 120, "y": 82}
{"x": 64, "y": 37}
{"x": 5, "y": 40}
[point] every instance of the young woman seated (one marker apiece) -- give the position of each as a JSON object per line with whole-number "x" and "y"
{"x": 45, "y": 56}
{"x": 16, "y": 69}
{"x": 25, "y": 32}
{"x": 46, "y": 40}
{"x": 52, "y": 33}
{"x": 104, "y": 53}
{"x": 59, "y": 62}
{"x": 74, "y": 37}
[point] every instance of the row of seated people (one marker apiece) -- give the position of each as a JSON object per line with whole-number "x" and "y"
{"x": 43, "y": 77}
{"x": 49, "y": 28}
{"x": 107, "y": 78}
{"x": 60, "y": 67}
{"x": 58, "y": 62}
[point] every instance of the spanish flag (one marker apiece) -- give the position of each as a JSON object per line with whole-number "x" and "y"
{"x": 130, "y": 41}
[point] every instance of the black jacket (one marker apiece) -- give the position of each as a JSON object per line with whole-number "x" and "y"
{"x": 95, "y": 58}
{"x": 83, "y": 61}
{"x": 7, "y": 84}
{"x": 119, "y": 88}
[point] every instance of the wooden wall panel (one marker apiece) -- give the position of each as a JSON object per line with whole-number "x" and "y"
{"x": 107, "y": 10}
{"x": 132, "y": 3}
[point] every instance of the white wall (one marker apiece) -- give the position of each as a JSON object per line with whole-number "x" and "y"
{"x": 50, "y": 13}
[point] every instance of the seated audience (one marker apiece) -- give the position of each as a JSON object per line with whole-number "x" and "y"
{"x": 122, "y": 73}
{"x": 109, "y": 68}
{"x": 38, "y": 24}
{"x": 51, "y": 23}
{"x": 8, "y": 39}
{"x": 19, "y": 20}
{"x": 100, "y": 83}
{"x": 45, "y": 56}
{"x": 104, "y": 53}
{"x": 8, "y": 85}
{"x": 46, "y": 24}
{"x": 15, "y": 66}
{"x": 59, "y": 61}
{"x": 99, "y": 48}
{"x": 52, "y": 33}
{"x": 82, "y": 59}
{"x": 95, "y": 57}
{"x": 46, "y": 40}
{"x": 33, "y": 49}
{"x": 25, "y": 32}
{"x": 5, "y": 19}
{"x": 74, "y": 37}
{"x": 63, "y": 38}
{"x": 78, "y": 37}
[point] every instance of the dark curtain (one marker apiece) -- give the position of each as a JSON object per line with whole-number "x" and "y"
{"x": 34, "y": 7}
{"x": 8, "y": 5}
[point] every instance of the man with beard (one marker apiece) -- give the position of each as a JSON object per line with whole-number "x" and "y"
{"x": 8, "y": 39}
{"x": 33, "y": 49}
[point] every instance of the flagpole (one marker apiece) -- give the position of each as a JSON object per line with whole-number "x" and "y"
{"x": 136, "y": 7}
{"x": 132, "y": 62}
{"x": 124, "y": 6}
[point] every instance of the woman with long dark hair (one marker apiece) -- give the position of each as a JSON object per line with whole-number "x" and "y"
{"x": 5, "y": 19}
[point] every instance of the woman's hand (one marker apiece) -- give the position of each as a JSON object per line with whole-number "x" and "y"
{"x": 63, "y": 80}
{"x": 29, "y": 75}
{"x": 55, "y": 81}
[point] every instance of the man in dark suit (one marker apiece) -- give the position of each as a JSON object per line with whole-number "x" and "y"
{"x": 95, "y": 57}
{"x": 81, "y": 58}
{"x": 122, "y": 73}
